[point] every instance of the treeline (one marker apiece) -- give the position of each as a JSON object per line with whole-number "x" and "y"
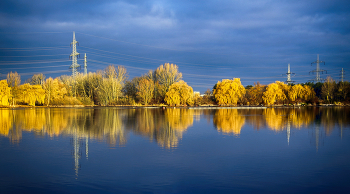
{"x": 163, "y": 86}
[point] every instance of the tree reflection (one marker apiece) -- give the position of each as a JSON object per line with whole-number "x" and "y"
{"x": 163, "y": 126}
{"x": 229, "y": 121}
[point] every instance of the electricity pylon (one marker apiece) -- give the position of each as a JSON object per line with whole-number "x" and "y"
{"x": 85, "y": 65}
{"x": 318, "y": 70}
{"x": 289, "y": 80}
{"x": 74, "y": 57}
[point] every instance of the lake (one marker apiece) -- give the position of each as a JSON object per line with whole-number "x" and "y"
{"x": 175, "y": 150}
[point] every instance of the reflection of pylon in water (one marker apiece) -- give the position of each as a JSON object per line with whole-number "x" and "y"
{"x": 288, "y": 132}
{"x": 77, "y": 151}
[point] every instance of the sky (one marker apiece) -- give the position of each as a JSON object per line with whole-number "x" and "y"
{"x": 209, "y": 40}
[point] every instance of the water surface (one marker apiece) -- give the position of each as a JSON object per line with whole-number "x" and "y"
{"x": 110, "y": 150}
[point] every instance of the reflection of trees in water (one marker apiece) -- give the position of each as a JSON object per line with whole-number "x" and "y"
{"x": 278, "y": 119}
{"x": 229, "y": 121}
{"x": 164, "y": 126}
{"x": 85, "y": 123}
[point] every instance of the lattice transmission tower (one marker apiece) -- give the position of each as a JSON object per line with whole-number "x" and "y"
{"x": 74, "y": 57}
{"x": 318, "y": 70}
{"x": 85, "y": 65}
{"x": 289, "y": 75}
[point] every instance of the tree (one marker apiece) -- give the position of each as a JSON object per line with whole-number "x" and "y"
{"x": 116, "y": 78}
{"x": 328, "y": 89}
{"x": 54, "y": 90}
{"x": 273, "y": 93}
{"x": 31, "y": 94}
{"x": 179, "y": 94}
{"x": 5, "y": 93}
{"x": 297, "y": 92}
{"x": 254, "y": 94}
{"x": 37, "y": 79}
{"x": 166, "y": 75}
{"x": 145, "y": 90}
{"x": 14, "y": 80}
{"x": 229, "y": 92}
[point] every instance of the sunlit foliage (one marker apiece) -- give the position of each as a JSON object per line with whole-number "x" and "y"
{"x": 30, "y": 94}
{"x": 166, "y": 75}
{"x": 229, "y": 92}
{"x": 274, "y": 92}
{"x": 145, "y": 89}
{"x": 54, "y": 90}
{"x": 5, "y": 93}
{"x": 179, "y": 94}
{"x": 254, "y": 94}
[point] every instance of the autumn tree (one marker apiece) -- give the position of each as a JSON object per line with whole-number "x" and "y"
{"x": 5, "y": 93}
{"x": 273, "y": 93}
{"x": 14, "y": 80}
{"x": 54, "y": 90}
{"x": 229, "y": 92}
{"x": 30, "y": 94}
{"x": 145, "y": 89}
{"x": 179, "y": 93}
{"x": 328, "y": 89}
{"x": 166, "y": 75}
{"x": 254, "y": 93}
{"x": 343, "y": 90}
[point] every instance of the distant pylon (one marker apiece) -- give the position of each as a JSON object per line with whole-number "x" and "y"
{"x": 289, "y": 80}
{"x": 342, "y": 75}
{"x": 318, "y": 70}
{"x": 85, "y": 65}
{"x": 74, "y": 57}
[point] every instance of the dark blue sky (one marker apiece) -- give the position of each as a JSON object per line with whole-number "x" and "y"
{"x": 208, "y": 40}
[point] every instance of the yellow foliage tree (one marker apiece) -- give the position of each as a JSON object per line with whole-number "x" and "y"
{"x": 54, "y": 90}
{"x": 229, "y": 92}
{"x": 166, "y": 75}
{"x": 179, "y": 94}
{"x": 5, "y": 93}
{"x": 296, "y": 92}
{"x": 145, "y": 90}
{"x": 31, "y": 93}
{"x": 273, "y": 93}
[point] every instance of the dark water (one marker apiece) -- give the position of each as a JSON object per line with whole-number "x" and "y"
{"x": 111, "y": 150}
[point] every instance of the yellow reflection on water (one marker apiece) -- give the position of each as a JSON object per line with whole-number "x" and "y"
{"x": 229, "y": 121}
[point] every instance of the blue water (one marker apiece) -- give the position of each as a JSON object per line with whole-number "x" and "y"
{"x": 114, "y": 150}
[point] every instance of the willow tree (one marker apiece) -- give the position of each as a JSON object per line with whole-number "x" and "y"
{"x": 229, "y": 92}
{"x": 165, "y": 75}
{"x": 31, "y": 94}
{"x": 273, "y": 93}
{"x": 5, "y": 93}
{"x": 179, "y": 94}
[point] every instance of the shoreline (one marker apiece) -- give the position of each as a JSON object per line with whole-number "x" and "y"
{"x": 189, "y": 107}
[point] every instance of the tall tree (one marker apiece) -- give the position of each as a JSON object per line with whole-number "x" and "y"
{"x": 328, "y": 89}
{"x": 5, "y": 93}
{"x": 145, "y": 90}
{"x": 14, "y": 80}
{"x": 166, "y": 75}
{"x": 37, "y": 79}
{"x": 273, "y": 93}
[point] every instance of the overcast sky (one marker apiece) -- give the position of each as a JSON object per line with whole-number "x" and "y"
{"x": 208, "y": 40}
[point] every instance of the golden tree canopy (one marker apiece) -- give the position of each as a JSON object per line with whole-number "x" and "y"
{"x": 229, "y": 92}
{"x": 273, "y": 93}
{"x": 179, "y": 94}
{"x": 5, "y": 93}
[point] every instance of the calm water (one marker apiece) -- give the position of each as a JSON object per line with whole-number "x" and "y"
{"x": 114, "y": 150}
